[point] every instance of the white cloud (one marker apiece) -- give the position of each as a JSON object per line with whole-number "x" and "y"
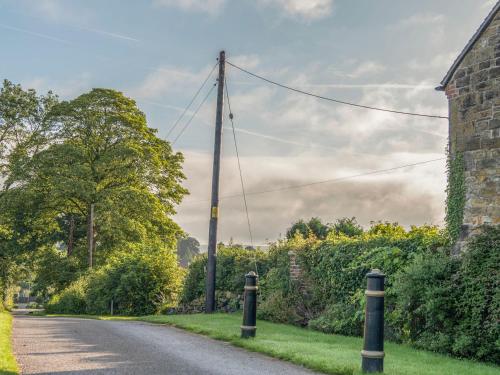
{"x": 440, "y": 62}
{"x": 419, "y": 19}
{"x": 169, "y": 79}
{"x": 245, "y": 61}
{"x": 307, "y": 9}
{"x": 365, "y": 68}
{"x": 204, "y": 6}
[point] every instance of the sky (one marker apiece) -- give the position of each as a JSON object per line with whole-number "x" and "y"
{"x": 383, "y": 53}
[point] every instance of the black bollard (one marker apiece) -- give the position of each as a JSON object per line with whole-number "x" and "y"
{"x": 250, "y": 306}
{"x": 373, "y": 348}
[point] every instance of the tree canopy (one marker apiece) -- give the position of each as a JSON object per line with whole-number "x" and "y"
{"x": 59, "y": 158}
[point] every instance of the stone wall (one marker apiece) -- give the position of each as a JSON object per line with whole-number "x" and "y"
{"x": 474, "y": 108}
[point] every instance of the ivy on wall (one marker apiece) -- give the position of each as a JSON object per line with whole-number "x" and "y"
{"x": 455, "y": 200}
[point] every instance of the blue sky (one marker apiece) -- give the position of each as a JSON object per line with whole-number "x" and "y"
{"x": 382, "y": 53}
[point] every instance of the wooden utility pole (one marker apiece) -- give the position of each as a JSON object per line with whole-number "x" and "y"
{"x": 214, "y": 209}
{"x": 91, "y": 233}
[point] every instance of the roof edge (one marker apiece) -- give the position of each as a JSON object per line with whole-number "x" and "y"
{"x": 468, "y": 46}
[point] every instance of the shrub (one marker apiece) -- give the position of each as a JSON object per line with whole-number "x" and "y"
{"x": 330, "y": 294}
{"x": 478, "y": 308}
{"x": 137, "y": 283}
{"x": 424, "y": 297}
{"x": 232, "y": 265}
{"x": 69, "y": 301}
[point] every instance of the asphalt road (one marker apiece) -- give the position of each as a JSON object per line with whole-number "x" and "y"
{"x": 79, "y": 346}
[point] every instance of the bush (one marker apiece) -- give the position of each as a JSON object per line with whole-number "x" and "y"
{"x": 478, "y": 308}
{"x": 138, "y": 283}
{"x": 232, "y": 265}
{"x": 71, "y": 300}
{"x": 424, "y": 297}
{"x": 334, "y": 271}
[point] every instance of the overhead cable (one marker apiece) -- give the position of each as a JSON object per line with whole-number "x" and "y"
{"x": 332, "y": 99}
{"x": 191, "y": 102}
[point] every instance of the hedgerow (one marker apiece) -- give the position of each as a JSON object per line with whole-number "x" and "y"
{"x": 433, "y": 301}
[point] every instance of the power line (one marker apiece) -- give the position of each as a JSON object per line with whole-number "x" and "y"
{"x": 239, "y": 167}
{"x": 194, "y": 114}
{"x": 333, "y": 180}
{"x": 191, "y": 102}
{"x": 331, "y": 99}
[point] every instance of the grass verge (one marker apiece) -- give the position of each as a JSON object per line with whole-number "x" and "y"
{"x": 331, "y": 354}
{"x": 8, "y": 365}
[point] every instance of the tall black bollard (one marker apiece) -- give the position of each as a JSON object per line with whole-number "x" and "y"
{"x": 250, "y": 306}
{"x": 373, "y": 348}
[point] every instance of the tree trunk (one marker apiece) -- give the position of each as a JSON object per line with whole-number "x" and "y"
{"x": 90, "y": 233}
{"x": 71, "y": 235}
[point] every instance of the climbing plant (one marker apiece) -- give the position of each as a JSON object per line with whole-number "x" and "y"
{"x": 455, "y": 200}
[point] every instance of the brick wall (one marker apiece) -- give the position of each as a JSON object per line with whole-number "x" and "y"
{"x": 474, "y": 106}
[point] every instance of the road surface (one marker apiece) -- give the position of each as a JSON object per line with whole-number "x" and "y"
{"x": 69, "y": 346}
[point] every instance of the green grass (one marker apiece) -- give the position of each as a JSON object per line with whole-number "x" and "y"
{"x": 8, "y": 365}
{"x": 331, "y": 354}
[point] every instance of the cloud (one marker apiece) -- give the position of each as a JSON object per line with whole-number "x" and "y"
{"x": 380, "y": 197}
{"x": 203, "y": 6}
{"x": 170, "y": 79}
{"x": 306, "y": 9}
{"x": 440, "y": 62}
{"x": 365, "y": 68}
{"x": 420, "y": 19}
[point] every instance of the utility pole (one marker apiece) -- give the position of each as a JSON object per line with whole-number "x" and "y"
{"x": 214, "y": 208}
{"x": 91, "y": 233}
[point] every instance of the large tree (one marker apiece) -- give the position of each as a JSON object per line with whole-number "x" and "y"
{"x": 102, "y": 153}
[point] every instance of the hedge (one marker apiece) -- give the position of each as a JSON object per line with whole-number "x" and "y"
{"x": 433, "y": 301}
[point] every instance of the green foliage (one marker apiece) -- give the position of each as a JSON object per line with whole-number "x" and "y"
{"x": 100, "y": 151}
{"x": 347, "y": 226}
{"x": 71, "y": 300}
{"x": 138, "y": 283}
{"x": 314, "y": 227}
{"x": 424, "y": 297}
{"x": 232, "y": 265}
{"x": 455, "y": 200}
{"x": 54, "y": 271}
{"x": 478, "y": 331}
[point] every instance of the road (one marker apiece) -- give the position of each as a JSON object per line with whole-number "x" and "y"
{"x": 65, "y": 346}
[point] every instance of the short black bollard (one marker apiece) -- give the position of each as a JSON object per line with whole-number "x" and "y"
{"x": 250, "y": 306}
{"x": 373, "y": 348}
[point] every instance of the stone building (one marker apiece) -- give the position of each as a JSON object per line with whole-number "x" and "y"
{"x": 472, "y": 87}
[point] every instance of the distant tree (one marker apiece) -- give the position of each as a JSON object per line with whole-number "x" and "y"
{"x": 348, "y": 227}
{"x": 187, "y": 249}
{"x": 313, "y": 226}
